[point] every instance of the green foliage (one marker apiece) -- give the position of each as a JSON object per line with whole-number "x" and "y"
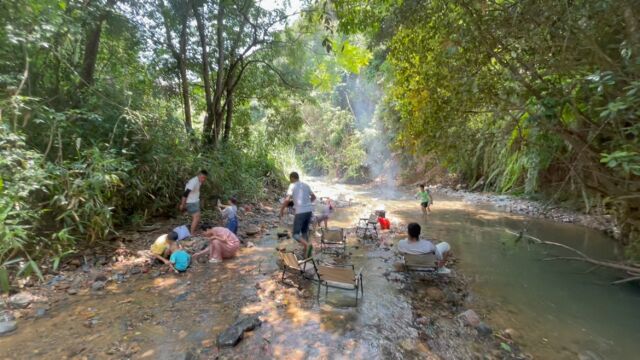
{"x": 331, "y": 144}
{"x": 545, "y": 106}
{"x": 79, "y": 160}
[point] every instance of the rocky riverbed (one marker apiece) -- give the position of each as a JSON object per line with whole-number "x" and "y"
{"x": 401, "y": 316}
{"x": 532, "y": 208}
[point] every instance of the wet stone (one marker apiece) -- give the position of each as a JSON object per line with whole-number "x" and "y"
{"x": 182, "y": 297}
{"x": 7, "y": 327}
{"x": 233, "y": 334}
{"x": 510, "y": 334}
{"x": 98, "y": 285}
{"x": 21, "y": 300}
{"x": 470, "y": 318}
{"x": 7, "y": 316}
{"x": 40, "y": 312}
{"x": 484, "y": 329}
{"x": 72, "y": 291}
{"x": 100, "y": 277}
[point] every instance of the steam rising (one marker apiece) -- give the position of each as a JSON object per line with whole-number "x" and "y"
{"x": 363, "y": 97}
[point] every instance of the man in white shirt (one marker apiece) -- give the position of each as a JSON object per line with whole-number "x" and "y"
{"x": 302, "y": 197}
{"x": 191, "y": 198}
{"x": 416, "y": 246}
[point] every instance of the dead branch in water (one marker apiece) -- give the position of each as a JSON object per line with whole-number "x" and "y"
{"x": 631, "y": 269}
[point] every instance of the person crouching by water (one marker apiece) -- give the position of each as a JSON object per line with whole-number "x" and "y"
{"x": 230, "y": 214}
{"x": 416, "y": 246}
{"x": 162, "y": 247}
{"x": 302, "y": 197}
{"x": 179, "y": 260}
{"x": 223, "y": 244}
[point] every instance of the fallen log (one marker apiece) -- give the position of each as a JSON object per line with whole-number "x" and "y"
{"x": 630, "y": 269}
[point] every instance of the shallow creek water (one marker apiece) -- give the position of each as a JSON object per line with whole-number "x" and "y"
{"x": 557, "y": 309}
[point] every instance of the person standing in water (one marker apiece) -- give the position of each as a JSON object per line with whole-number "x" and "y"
{"x": 425, "y": 199}
{"x": 302, "y": 197}
{"x": 191, "y": 199}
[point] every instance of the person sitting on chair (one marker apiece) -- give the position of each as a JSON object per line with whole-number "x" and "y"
{"x": 416, "y": 246}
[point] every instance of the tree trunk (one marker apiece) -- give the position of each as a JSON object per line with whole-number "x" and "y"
{"x": 181, "y": 59}
{"x": 92, "y": 46}
{"x": 219, "y": 72}
{"x": 182, "y": 64}
{"x": 227, "y": 123}
{"x": 207, "y": 133}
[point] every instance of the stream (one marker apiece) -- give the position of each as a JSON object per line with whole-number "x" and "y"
{"x": 558, "y": 309}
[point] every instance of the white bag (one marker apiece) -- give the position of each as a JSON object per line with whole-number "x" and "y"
{"x": 182, "y": 231}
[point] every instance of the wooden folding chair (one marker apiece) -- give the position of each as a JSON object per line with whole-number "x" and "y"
{"x": 292, "y": 264}
{"x": 333, "y": 240}
{"x": 368, "y": 226}
{"x": 340, "y": 277}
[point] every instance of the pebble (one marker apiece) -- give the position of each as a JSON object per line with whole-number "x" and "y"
{"x": 72, "y": 291}
{"x": 484, "y": 329}
{"x": 20, "y": 300}
{"x": 7, "y": 327}
{"x": 98, "y": 285}
{"x": 470, "y": 318}
{"x": 40, "y": 312}
{"x": 100, "y": 277}
{"x": 510, "y": 334}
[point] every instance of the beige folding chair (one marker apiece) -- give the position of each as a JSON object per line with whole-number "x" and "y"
{"x": 292, "y": 264}
{"x": 423, "y": 262}
{"x": 333, "y": 240}
{"x": 340, "y": 277}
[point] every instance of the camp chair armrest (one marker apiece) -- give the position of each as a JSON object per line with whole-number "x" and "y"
{"x": 305, "y": 260}
{"x": 342, "y": 266}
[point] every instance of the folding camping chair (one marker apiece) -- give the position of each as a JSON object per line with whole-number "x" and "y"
{"x": 368, "y": 227}
{"x": 333, "y": 240}
{"x": 340, "y": 277}
{"x": 424, "y": 262}
{"x": 292, "y": 264}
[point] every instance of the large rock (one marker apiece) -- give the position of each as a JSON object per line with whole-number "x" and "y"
{"x": 251, "y": 230}
{"x": 7, "y": 327}
{"x": 232, "y": 336}
{"x": 20, "y": 300}
{"x": 470, "y": 318}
